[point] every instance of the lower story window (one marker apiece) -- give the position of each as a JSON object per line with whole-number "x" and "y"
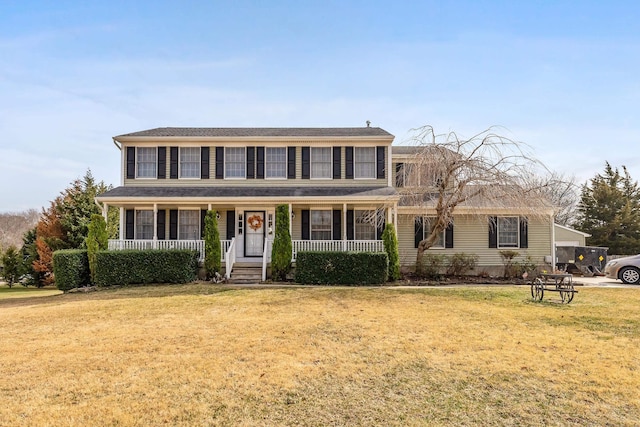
{"x": 365, "y": 225}
{"x": 144, "y": 225}
{"x": 428, "y": 224}
{"x": 320, "y": 225}
{"x": 508, "y": 228}
{"x": 189, "y": 225}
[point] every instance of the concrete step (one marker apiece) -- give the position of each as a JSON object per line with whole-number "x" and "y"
{"x": 243, "y": 273}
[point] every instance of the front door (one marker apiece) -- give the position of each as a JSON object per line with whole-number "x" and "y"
{"x": 254, "y": 234}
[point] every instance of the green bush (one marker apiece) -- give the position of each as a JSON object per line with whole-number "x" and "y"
{"x": 148, "y": 266}
{"x": 460, "y": 264}
{"x": 341, "y": 268}
{"x": 97, "y": 240}
{"x": 71, "y": 268}
{"x": 432, "y": 265}
{"x": 212, "y": 245}
{"x": 390, "y": 241}
{"x": 282, "y": 246}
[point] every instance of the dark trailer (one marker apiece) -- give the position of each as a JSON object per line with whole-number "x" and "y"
{"x": 585, "y": 260}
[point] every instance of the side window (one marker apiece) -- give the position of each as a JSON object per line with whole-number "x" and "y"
{"x": 508, "y": 228}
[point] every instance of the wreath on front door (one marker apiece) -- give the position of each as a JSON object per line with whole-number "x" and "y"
{"x": 255, "y": 222}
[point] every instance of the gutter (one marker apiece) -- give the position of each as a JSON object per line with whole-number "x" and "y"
{"x": 115, "y": 142}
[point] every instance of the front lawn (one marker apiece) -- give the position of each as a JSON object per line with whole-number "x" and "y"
{"x": 211, "y": 355}
{"x": 19, "y": 291}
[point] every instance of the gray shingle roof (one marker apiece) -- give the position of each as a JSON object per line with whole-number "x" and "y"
{"x": 252, "y": 192}
{"x": 258, "y": 132}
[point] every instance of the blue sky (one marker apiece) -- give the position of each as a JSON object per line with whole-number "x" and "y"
{"x": 561, "y": 76}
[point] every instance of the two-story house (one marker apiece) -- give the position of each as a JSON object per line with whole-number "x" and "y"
{"x": 339, "y": 183}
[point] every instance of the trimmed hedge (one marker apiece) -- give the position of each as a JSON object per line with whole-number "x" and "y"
{"x": 71, "y": 268}
{"x": 146, "y": 266}
{"x": 341, "y": 268}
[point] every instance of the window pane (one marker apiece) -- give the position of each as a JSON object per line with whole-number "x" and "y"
{"x": 321, "y": 225}
{"x": 189, "y": 225}
{"x": 508, "y": 232}
{"x": 190, "y": 162}
{"x": 365, "y": 162}
{"x": 439, "y": 243}
{"x": 276, "y": 166}
{"x": 364, "y": 227}
{"x": 146, "y": 162}
{"x": 234, "y": 162}
{"x": 321, "y": 162}
{"x": 144, "y": 225}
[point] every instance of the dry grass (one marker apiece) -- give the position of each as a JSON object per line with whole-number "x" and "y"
{"x": 209, "y": 355}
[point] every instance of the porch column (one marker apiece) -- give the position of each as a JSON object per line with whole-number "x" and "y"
{"x": 105, "y": 211}
{"x": 209, "y": 207}
{"x": 155, "y": 226}
{"x": 344, "y": 226}
{"x": 395, "y": 216}
{"x": 121, "y": 223}
{"x": 290, "y": 220}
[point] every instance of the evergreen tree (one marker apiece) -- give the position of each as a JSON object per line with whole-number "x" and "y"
{"x": 29, "y": 254}
{"x": 390, "y": 241}
{"x": 609, "y": 210}
{"x": 10, "y": 261}
{"x": 97, "y": 240}
{"x": 282, "y": 250}
{"x": 212, "y": 245}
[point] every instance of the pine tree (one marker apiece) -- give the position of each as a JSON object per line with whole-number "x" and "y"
{"x": 390, "y": 241}
{"x": 97, "y": 240}
{"x": 609, "y": 210}
{"x": 212, "y": 245}
{"x": 281, "y": 253}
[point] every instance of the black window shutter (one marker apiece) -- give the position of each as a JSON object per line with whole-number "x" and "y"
{"x": 204, "y": 163}
{"x": 348, "y": 162}
{"x": 418, "y": 228}
{"x": 131, "y": 162}
{"x": 219, "y": 162}
{"x": 173, "y": 224}
{"x": 399, "y": 175}
{"x": 162, "y": 220}
{"x": 524, "y": 233}
{"x": 350, "y": 222}
{"x": 306, "y": 163}
{"x": 337, "y": 162}
{"x": 381, "y": 162}
{"x": 337, "y": 224}
{"x": 381, "y": 224}
{"x": 493, "y": 232}
{"x": 231, "y": 224}
{"x": 260, "y": 162}
{"x": 130, "y": 225}
{"x": 173, "y": 162}
{"x": 448, "y": 236}
{"x": 291, "y": 162}
{"x": 306, "y": 224}
{"x": 162, "y": 162}
{"x": 251, "y": 159}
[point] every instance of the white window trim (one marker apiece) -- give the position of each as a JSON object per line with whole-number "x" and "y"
{"x": 355, "y": 162}
{"x": 373, "y": 226}
{"x": 199, "y": 233}
{"x": 199, "y": 163}
{"x": 137, "y": 159}
{"x": 317, "y": 178}
{"x": 311, "y": 223}
{"x": 135, "y": 224}
{"x": 235, "y": 178}
{"x": 427, "y": 230}
{"x": 286, "y": 164}
{"x": 517, "y": 246}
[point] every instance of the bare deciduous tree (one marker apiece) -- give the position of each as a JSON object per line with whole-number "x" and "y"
{"x": 486, "y": 170}
{"x": 13, "y": 226}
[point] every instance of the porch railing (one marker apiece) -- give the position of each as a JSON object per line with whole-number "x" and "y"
{"x": 198, "y": 245}
{"x": 229, "y": 255}
{"x": 336, "y": 245}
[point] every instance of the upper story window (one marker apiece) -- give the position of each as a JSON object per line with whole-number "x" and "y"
{"x": 321, "y": 225}
{"x": 189, "y": 162}
{"x": 365, "y": 225}
{"x": 321, "y": 163}
{"x": 146, "y": 164}
{"x": 365, "y": 162}
{"x": 234, "y": 162}
{"x": 189, "y": 225}
{"x": 276, "y": 162}
{"x": 508, "y": 229}
{"x": 144, "y": 225}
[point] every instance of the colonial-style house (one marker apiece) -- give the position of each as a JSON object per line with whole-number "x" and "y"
{"x": 340, "y": 185}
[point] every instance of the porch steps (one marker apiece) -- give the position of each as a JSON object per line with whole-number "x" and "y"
{"x": 246, "y": 273}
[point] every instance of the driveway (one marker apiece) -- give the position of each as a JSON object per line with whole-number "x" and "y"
{"x": 601, "y": 282}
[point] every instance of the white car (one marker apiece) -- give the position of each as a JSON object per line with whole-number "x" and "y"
{"x": 626, "y": 269}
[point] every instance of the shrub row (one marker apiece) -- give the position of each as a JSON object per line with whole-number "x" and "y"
{"x": 457, "y": 264}
{"x": 71, "y": 267}
{"x": 341, "y": 268}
